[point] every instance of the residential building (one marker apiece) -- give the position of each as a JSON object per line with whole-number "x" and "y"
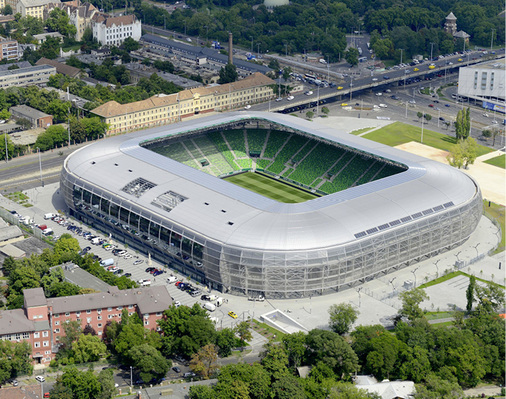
{"x": 9, "y": 49}
{"x": 80, "y": 14}
{"x": 112, "y": 31}
{"x": 33, "y": 8}
{"x": 41, "y": 38}
{"x": 164, "y": 109}
{"x": 35, "y": 75}
{"x": 41, "y": 320}
{"x": 62, "y": 68}
{"x": 36, "y": 117}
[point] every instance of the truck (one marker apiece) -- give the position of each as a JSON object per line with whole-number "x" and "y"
{"x": 219, "y": 301}
{"x": 259, "y": 298}
{"x": 48, "y": 231}
{"x": 107, "y": 262}
{"x": 322, "y": 61}
{"x": 96, "y": 241}
{"x": 209, "y": 306}
{"x": 49, "y": 216}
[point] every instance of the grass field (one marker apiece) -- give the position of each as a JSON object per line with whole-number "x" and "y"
{"x": 270, "y": 188}
{"x": 496, "y": 212}
{"x": 498, "y": 161}
{"x": 399, "y": 133}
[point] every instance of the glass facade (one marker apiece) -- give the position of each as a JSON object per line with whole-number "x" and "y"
{"x": 275, "y": 274}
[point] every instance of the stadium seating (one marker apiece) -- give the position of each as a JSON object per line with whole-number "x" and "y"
{"x": 297, "y": 158}
{"x": 256, "y": 139}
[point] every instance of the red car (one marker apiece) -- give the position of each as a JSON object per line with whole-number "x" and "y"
{"x": 431, "y": 105}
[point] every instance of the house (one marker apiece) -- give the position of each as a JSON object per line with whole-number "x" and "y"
{"x": 42, "y": 37}
{"x": 36, "y": 75}
{"x": 36, "y": 117}
{"x": 41, "y": 319}
{"x": 386, "y": 389}
{"x": 112, "y": 31}
{"x": 62, "y": 68}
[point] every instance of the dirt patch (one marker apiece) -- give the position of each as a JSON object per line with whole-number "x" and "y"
{"x": 489, "y": 177}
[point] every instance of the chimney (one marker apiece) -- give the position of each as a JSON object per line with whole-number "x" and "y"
{"x": 230, "y": 49}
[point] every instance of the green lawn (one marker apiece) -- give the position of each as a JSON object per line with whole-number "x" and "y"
{"x": 496, "y": 212}
{"x": 399, "y": 133}
{"x": 498, "y": 161}
{"x": 360, "y": 131}
{"x": 270, "y": 188}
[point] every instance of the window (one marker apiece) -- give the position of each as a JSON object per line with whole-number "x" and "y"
{"x": 88, "y": 311}
{"x": 109, "y": 316}
{"x": 45, "y": 343}
{"x": 99, "y": 311}
{"x": 77, "y": 314}
{"x": 120, "y": 308}
{"x": 45, "y": 334}
{"x": 67, "y": 314}
{"x": 47, "y": 352}
{"x": 36, "y": 345}
{"x": 56, "y": 315}
{"x": 146, "y": 323}
{"x": 26, "y": 335}
{"x": 99, "y": 325}
{"x": 100, "y": 333}
{"x": 99, "y": 317}
{"x": 88, "y": 320}
{"x": 109, "y": 309}
{"x": 36, "y": 335}
{"x": 159, "y": 313}
{"x": 56, "y": 323}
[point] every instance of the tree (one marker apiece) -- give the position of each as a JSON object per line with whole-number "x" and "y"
{"x": 419, "y": 115}
{"x": 82, "y": 384}
{"x": 463, "y": 154}
{"x": 490, "y": 298}
{"x": 436, "y": 388}
{"x": 382, "y": 360}
{"x": 309, "y": 114}
{"x": 5, "y": 114}
{"x": 428, "y": 117}
{"x": 295, "y": 346}
{"x": 275, "y": 360}
{"x": 470, "y": 293}
{"x": 72, "y": 331}
{"x": 411, "y": 301}
{"x": 130, "y": 44}
{"x": 149, "y": 361}
{"x": 325, "y": 110}
{"x": 66, "y": 246}
{"x": 59, "y": 21}
{"x": 463, "y": 124}
{"x": 228, "y": 74}
{"x": 226, "y": 340}
{"x": 255, "y": 378}
{"x": 351, "y": 56}
{"x": 346, "y": 390}
{"x": 201, "y": 392}
{"x": 7, "y": 10}
{"x": 243, "y": 330}
{"x": 106, "y": 380}
{"x": 342, "y": 317}
{"x": 204, "y": 362}
{"x": 333, "y": 350}
{"x": 88, "y": 348}
{"x": 288, "y": 387}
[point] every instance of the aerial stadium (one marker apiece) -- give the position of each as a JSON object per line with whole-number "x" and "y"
{"x": 256, "y": 203}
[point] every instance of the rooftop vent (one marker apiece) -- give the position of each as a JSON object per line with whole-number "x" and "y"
{"x": 138, "y": 187}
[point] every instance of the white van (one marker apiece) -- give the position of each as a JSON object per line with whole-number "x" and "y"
{"x": 49, "y": 216}
{"x": 171, "y": 279}
{"x": 107, "y": 262}
{"x": 383, "y": 106}
{"x": 209, "y": 306}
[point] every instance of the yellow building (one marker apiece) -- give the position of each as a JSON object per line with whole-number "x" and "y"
{"x": 33, "y": 8}
{"x": 164, "y": 109}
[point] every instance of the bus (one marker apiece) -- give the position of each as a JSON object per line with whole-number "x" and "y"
{"x": 308, "y": 76}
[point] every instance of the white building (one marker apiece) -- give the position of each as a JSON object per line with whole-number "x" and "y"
{"x": 113, "y": 31}
{"x": 485, "y": 82}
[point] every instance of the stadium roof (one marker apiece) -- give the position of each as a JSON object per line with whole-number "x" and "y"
{"x": 229, "y": 214}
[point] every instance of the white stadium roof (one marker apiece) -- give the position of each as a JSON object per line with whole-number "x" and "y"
{"x": 234, "y": 216}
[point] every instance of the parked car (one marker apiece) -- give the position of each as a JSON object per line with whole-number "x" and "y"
{"x": 127, "y": 274}
{"x": 40, "y": 378}
{"x": 176, "y": 369}
{"x": 138, "y": 262}
{"x": 149, "y": 269}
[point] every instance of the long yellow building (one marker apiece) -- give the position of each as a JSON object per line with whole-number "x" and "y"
{"x": 164, "y": 109}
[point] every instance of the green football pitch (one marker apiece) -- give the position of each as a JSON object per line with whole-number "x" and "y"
{"x": 270, "y": 188}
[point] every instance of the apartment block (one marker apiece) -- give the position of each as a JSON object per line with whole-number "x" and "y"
{"x": 41, "y": 320}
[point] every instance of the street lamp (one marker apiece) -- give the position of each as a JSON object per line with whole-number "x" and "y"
{"x": 457, "y": 255}
{"x": 476, "y": 247}
{"x": 131, "y": 379}
{"x": 359, "y": 296}
{"x": 437, "y": 268}
{"x": 351, "y": 87}
{"x": 251, "y": 37}
{"x": 431, "y": 48}
{"x": 414, "y": 274}
{"x": 392, "y": 282}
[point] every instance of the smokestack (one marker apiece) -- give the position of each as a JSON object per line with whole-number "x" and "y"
{"x": 230, "y": 49}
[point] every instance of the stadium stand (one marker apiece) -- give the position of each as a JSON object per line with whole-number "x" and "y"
{"x": 256, "y": 139}
{"x": 297, "y": 158}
